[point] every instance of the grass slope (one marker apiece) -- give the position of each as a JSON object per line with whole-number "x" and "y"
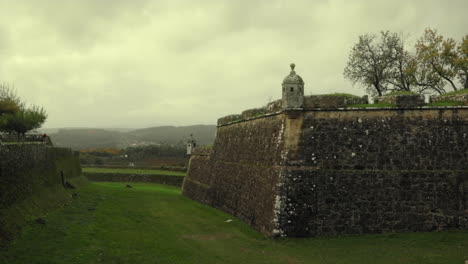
{"x": 462, "y": 91}
{"x": 134, "y": 171}
{"x": 150, "y": 223}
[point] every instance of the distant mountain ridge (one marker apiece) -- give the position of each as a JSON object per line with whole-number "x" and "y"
{"x": 81, "y": 138}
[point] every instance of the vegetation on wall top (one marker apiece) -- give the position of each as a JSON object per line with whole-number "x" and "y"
{"x": 15, "y": 116}
{"x": 382, "y": 64}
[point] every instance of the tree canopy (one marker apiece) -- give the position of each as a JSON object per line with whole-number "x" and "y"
{"x": 9, "y": 101}
{"x": 382, "y": 64}
{"x": 15, "y": 116}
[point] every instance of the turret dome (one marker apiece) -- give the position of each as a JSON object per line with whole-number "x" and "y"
{"x": 293, "y": 78}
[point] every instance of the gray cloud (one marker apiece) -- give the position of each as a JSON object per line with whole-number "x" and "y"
{"x": 140, "y": 63}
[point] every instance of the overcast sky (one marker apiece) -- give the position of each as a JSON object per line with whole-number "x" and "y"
{"x": 141, "y": 63}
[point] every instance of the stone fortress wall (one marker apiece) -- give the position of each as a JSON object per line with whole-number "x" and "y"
{"x": 34, "y": 179}
{"x": 324, "y": 170}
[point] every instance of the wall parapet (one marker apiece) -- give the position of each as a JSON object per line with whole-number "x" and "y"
{"x": 461, "y": 98}
{"x": 401, "y": 100}
{"x": 202, "y": 151}
{"x": 333, "y": 101}
{"x": 233, "y": 119}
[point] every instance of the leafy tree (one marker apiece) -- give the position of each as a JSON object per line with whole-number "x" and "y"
{"x": 383, "y": 65}
{"x": 14, "y": 116}
{"x": 24, "y": 120}
{"x": 400, "y": 79}
{"x": 438, "y": 57}
{"x": 423, "y": 78}
{"x": 9, "y": 101}
{"x": 372, "y": 61}
{"x": 461, "y": 62}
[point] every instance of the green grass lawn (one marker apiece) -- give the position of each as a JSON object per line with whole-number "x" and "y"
{"x": 134, "y": 171}
{"x": 149, "y": 223}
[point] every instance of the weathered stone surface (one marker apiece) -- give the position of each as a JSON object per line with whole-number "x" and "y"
{"x": 247, "y": 161}
{"x": 329, "y": 171}
{"x": 275, "y": 106}
{"x": 30, "y": 168}
{"x": 462, "y": 98}
{"x": 324, "y": 202}
{"x": 256, "y": 112}
{"x": 27, "y": 172}
{"x": 332, "y": 101}
{"x": 410, "y": 100}
{"x": 206, "y": 151}
{"x": 404, "y": 100}
{"x": 229, "y": 119}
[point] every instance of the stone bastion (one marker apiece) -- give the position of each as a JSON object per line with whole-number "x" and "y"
{"x": 328, "y": 168}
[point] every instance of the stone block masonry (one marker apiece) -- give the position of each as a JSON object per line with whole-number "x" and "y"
{"x": 339, "y": 171}
{"x": 241, "y": 173}
{"x": 33, "y": 181}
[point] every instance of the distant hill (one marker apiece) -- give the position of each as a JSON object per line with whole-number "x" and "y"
{"x": 80, "y": 138}
{"x": 204, "y": 134}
